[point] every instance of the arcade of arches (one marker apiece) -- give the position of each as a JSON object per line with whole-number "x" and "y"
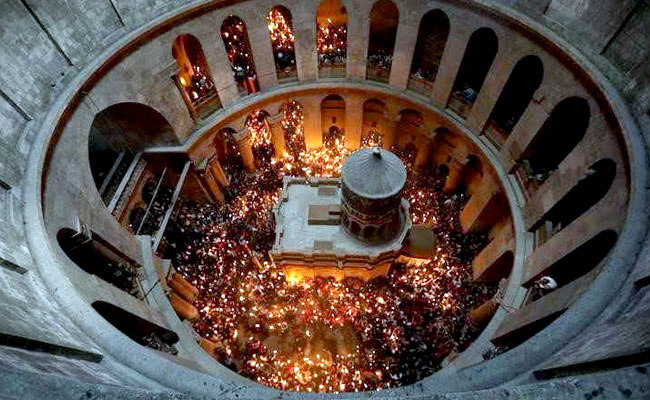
{"x": 518, "y": 183}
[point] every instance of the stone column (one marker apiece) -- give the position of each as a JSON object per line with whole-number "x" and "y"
{"x": 313, "y": 129}
{"x": 224, "y": 80}
{"x": 407, "y": 35}
{"x": 218, "y": 172}
{"x": 207, "y": 180}
{"x": 353, "y": 121}
{"x": 243, "y": 140}
{"x": 422, "y": 151}
{"x": 454, "y": 177}
{"x": 480, "y": 316}
{"x": 358, "y": 31}
{"x": 258, "y": 36}
{"x": 304, "y": 27}
{"x": 452, "y": 56}
{"x": 485, "y": 206}
{"x": 491, "y": 90}
{"x": 525, "y": 130}
{"x": 392, "y": 124}
{"x": 277, "y": 135}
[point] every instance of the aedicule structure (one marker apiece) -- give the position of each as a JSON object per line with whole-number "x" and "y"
{"x": 349, "y": 227}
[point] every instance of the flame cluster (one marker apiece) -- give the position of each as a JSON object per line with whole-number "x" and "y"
{"x": 282, "y": 37}
{"x": 235, "y": 37}
{"x": 331, "y": 42}
{"x": 372, "y": 139}
{"x": 323, "y": 335}
{"x": 259, "y": 129}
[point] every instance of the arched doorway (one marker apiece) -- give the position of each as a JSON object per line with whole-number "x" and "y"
{"x": 282, "y": 38}
{"x": 525, "y": 79}
{"x": 193, "y": 77}
{"x": 332, "y": 38}
{"x": 116, "y": 136}
{"x": 240, "y": 55}
{"x": 479, "y": 55}
{"x": 560, "y": 134}
{"x": 430, "y": 44}
{"x": 384, "y": 18}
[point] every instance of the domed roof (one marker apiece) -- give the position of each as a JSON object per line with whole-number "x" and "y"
{"x": 374, "y": 173}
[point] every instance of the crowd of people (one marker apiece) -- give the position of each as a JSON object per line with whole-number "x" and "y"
{"x": 324, "y": 335}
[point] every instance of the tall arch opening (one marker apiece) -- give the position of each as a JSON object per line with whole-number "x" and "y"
{"x": 580, "y": 261}
{"x": 332, "y": 38}
{"x": 332, "y": 109}
{"x": 97, "y": 258}
{"x": 258, "y": 127}
{"x": 293, "y": 125}
{"x": 235, "y": 37}
{"x": 384, "y": 19}
{"x": 193, "y": 77}
{"x": 138, "y": 329}
{"x": 558, "y": 136}
{"x": 479, "y": 55}
{"x": 282, "y": 38}
{"x": 429, "y": 47}
{"x": 117, "y": 134}
{"x": 525, "y": 79}
{"x": 589, "y": 190}
{"x": 375, "y": 127}
{"x": 409, "y": 126}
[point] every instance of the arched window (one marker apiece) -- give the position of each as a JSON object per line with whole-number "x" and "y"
{"x": 471, "y": 172}
{"x": 332, "y": 110}
{"x": 282, "y": 42}
{"x": 430, "y": 44}
{"x": 193, "y": 76}
{"x": 116, "y": 135}
{"x": 139, "y": 330}
{"x": 579, "y": 261}
{"x": 585, "y": 194}
{"x": 561, "y": 132}
{"x": 98, "y": 258}
{"x": 517, "y": 93}
{"x": 479, "y": 54}
{"x": 384, "y": 18}
{"x": 258, "y": 127}
{"x": 408, "y": 127}
{"x": 374, "y": 123}
{"x": 331, "y": 38}
{"x": 235, "y": 38}
{"x": 293, "y": 124}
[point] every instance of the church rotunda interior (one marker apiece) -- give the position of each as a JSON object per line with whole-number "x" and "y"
{"x": 326, "y": 198}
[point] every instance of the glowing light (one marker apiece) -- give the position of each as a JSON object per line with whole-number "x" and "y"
{"x": 322, "y": 335}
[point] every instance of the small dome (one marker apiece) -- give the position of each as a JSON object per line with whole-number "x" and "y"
{"x": 374, "y": 173}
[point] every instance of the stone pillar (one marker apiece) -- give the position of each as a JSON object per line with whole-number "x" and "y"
{"x": 277, "y": 135}
{"x": 358, "y": 31}
{"x": 305, "y": 32}
{"x": 353, "y": 121}
{"x": 483, "y": 208}
{"x": 218, "y": 172}
{"x": 454, "y": 177}
{"x": 207, "y": 180}
{"x": 422, "y": 151}
{"x": 224, "y": 80}
{"x": 313, "y": 129}
{"x": 450, "y": 63}
{"x": 243, "y": 140}
{"x": 258, "y": 36}
{"x": 490, "y": 91}
{"x": 407, "y": 35}
{"x": 525, "y": 130}
{"x": 480, "y": 316}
